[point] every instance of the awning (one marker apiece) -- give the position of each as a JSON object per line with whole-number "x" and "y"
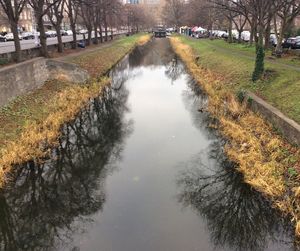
{"x": 194, "y": 28}
{"x": 200, "y": 29}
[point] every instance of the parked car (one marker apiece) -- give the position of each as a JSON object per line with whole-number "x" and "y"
{"x": 273, "y": 40}
{"x": 69, "y": 33}
{"x": 10, "y": 37}
{"x": 82, "y": 31}
{"x": 2, "y": 38}
{"x": 37, "y": 33}
{"x": 63, "y": 33}
{"x": 288, "y": 43}
{"x": 27, "y": 35}
{"x": 50, "y": 33}
{"x": 245, "y": 36}
{"x": 297, "y": 41}
{"x": 296, "y": 44}
{"x": 225, "y": 35}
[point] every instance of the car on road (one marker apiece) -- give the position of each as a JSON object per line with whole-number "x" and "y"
{"x": 27, "y": 35}
{"x": 288, "y": 43}
{"x": 51, "y": 33}
{"x": 2, "y": 38}
{"x": 296, "y": 44}
{"x": 273, "y": 40}
{"x": 63, "y": 33}
{"x": 82, "y": 31}
{"x": 245, "y": 36}
{"x": 10, "y": 37}
{"x": 69, "y": 33}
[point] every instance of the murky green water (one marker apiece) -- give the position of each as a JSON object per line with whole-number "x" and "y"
{"x": 139, "y": 170}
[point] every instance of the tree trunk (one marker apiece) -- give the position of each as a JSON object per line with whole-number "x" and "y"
{"x": 260, "y": 55}
{"x": 43, "y": 38}
{"x": 14, "y": 30}
{"x": 105, "y": 26}
{"x": 101, "y": 35}
{"x": 74, "y": 43}
{"x": 240, "y": 36}
{"x": 251, "y": 35}
{"x": 267, "y": 36}
{"x": 60, "y": 46}
{"x": 230, "y": 31}
{"x": 89, "y": 40}
{"x": 278, "y": 49}
{"x": 96, "y": 41}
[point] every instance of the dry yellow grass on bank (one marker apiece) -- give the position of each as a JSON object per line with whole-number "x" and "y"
{"x": 144, "y": 39}
{"x": 37, "y": 137}
{"x": 267, "y": 162}
{"x": 30, "y": 125}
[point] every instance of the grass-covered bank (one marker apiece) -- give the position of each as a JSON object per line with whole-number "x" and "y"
{"x": 268, "y": 163}
{"x": 280, "y": 87}
{"x": 98, "y": 62}
{"x": 30, "y": 125}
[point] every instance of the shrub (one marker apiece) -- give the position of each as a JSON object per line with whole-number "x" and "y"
{"x": 259, "y": 63}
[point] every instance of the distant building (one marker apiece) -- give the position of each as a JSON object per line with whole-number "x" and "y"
{"x": 133, "y": 1}
{"x": 25, "y": 23}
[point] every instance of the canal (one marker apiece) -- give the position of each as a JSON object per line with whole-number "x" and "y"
{"x": 139, "y": 169}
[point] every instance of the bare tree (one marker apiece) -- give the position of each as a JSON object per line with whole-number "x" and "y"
{"x": 13, "y": 9}
{"x": 56, "y": 16}
{"x": 286, "y": 14}
{"x": 87, "y": 12}
{"x": 41, "y": 8}
{"x": 72, "y": 9}
{"x": 173, "y": 12}
{"x": 259, "y": 13}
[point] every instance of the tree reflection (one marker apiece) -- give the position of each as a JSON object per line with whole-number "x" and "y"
{"x": 237, "y": 216}
{"x": 175, "y": 69}
{"x": 45, "y": 199}
{"x": 156, "y": 53}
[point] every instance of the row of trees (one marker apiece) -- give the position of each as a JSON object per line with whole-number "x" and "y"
{"x": 262, "y": 16}
{"x": 99, "y": 16}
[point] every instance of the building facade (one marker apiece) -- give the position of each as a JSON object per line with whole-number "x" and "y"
{"x": 25, "y": 23}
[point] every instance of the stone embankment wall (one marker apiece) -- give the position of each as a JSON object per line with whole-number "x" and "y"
{"x": 287, "y": 127}
{"x": 24, "y": 77}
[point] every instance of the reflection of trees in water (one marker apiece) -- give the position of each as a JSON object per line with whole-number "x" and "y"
{"x": 156, "y": 53}
{"x": 175, "y": 69}
{"x": 46, "y": 198}
{"x": 195, "y": 101}
{"x": 237, "y": 216}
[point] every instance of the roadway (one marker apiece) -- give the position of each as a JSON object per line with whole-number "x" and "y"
{"x": 7, "y": 47}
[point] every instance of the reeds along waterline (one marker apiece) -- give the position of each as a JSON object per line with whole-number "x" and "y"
{"x": 261, "y": 155}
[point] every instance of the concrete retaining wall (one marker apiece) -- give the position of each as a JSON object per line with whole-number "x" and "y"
{"x": 21, "y": 78}
{"x": 71, "y": 72}
{"x": 288, "y": 127}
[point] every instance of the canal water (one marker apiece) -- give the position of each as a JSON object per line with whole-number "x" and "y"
{"x": 139, "y": 170}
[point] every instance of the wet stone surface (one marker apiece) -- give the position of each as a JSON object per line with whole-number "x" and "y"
{"x": 139, "y": 170}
